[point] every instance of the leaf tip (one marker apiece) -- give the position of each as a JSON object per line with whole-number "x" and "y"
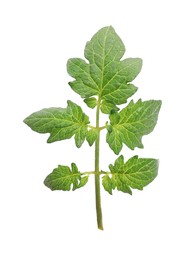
{"x": 78, "y": 145}
{"x": 46, "y": 183}
{"x": 160, "y": 103}
{"x": 49, "y": 140}
{"x": 25, "y": 121}
{"x": 157, "y": 165}
{"x": 117, "y": 151}
{"x": 121, "y": 158}
{"x": 140, "y": 61}
{"x": 130, "y": 192}
{"x": 69, "y": 102}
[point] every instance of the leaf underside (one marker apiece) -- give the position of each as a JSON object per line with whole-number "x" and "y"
{"x": 136, "y": 173}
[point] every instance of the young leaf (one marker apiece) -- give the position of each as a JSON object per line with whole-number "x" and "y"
{"x": 107, "y": 107}
{"x": 114, "y": 118}
{"x": 108, "y": 183}
{"x": 91, "y": 102}
{"x": 92, "y": 136}
{"x": 61, "y": 123}
{"x": 135, "y": 120}
{"x": 105, "y": 75}
{"x": 136, "y": 173}
{"x": 62, "y": 178}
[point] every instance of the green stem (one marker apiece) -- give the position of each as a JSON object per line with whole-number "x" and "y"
{"x": 97, "y": 173}
{"x": 99, "y": 128}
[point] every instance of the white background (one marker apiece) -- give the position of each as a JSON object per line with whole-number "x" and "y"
{"x": 36, "y": 40}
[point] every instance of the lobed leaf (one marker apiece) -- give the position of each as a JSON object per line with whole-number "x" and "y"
{"x": 61, "y": 123}
{"x": 63, "y": 178}
{"x": 136, "y": 173}
{"x": 84, "y": 84}
{"x": 105, "y": 76}
{"x": 131, "y": 123}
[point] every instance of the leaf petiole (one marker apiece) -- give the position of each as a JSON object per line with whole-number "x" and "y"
{"x": 98, "y": 128}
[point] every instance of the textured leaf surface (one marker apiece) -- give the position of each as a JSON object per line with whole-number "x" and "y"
{"x": 92, "y": 136}
{"x": 107, "y": 107}
{"x": 136, "y": 173}
{"x": 64, "y": 178}
{"x": 105, "y": 75}
{"x": 91, "y": 102}
{"x": 108, "y": 184}
{"x": 61, "y": 123}
{"x": 131, "y": 123}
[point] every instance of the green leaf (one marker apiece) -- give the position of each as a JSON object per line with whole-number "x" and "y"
{"x": 135, "y": 120}
{"x": 105, "y": 75}
{"x": 107, "y": 183}
{"x": 74, "y": 168}
{"x": 136, "y": 173}
{"x": 82, "y": 182}
{"x": 114, "y": 140}
{"x": 84, "y": 84}
{"x": 92, "y": 136}
{"x": 107, "y": 107}
{"x": 80, "y": 135}
{"x": 63, "y": 178}
{"x": 91, "y": 102}
{"x": 61, "y": 123}
{"x": 114, "y": 118}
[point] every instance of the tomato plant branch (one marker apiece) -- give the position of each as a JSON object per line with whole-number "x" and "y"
{"x": 107, "y": 76}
